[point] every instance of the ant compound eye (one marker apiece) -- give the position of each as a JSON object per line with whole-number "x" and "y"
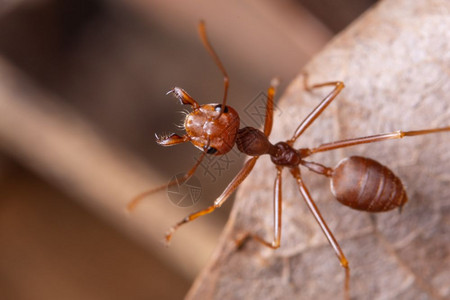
{"x": 218, "y": 106}
{"x": 211, "y": 150}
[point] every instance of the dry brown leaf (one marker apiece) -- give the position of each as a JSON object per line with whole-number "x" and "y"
{"x": 395, "y": 62}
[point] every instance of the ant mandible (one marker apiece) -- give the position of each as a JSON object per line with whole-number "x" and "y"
{"x": 358, "y": 182}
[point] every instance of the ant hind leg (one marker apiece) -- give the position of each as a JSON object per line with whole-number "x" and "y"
{"x": 323, "y": 225}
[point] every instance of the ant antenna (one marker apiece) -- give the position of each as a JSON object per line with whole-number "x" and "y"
{"x": 210, "y": 49}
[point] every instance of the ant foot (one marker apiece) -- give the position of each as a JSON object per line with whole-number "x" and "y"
{"x": 168, "y": 237}
{"x": 242, "y": 240}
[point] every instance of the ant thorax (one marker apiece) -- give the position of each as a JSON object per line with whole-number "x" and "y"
{"x": 211, "y": 130}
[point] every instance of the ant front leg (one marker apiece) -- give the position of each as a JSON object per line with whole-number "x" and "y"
{"x": 277, "y": 206}
{"x": 220, "y": 200}
{"x": 132, "y": 204}
{"x": 268, "y": 122}
{"x": 323, "y": 225}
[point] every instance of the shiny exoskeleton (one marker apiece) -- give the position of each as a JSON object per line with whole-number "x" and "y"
{"x": 358, "y": 182}
{"x": 365, "y": 184}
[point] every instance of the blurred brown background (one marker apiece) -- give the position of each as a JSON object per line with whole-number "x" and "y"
{"x": 82, "y": 94}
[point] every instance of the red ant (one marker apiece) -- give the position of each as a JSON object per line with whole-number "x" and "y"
{"x": 358, "y": 182}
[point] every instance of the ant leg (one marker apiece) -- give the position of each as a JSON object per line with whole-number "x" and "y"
{"x": 183, "y": 97}
{"x": 210, "y": 49}
{"x": 132, "y": 204}
{"x": 317, "y": 168}
{"x": 323, "y": 225}
{"x": 269, "y": 107}
{"x": 338, "y": 86}
{"x": 373, "y": 138}
{"x": 243, "y": 173}
{"x": 276, "y": 219}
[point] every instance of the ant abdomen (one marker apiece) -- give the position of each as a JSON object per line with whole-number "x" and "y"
{"x": 365, "y": 184}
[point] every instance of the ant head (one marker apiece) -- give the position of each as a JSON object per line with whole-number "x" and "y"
{"x": 211, "y": 130}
